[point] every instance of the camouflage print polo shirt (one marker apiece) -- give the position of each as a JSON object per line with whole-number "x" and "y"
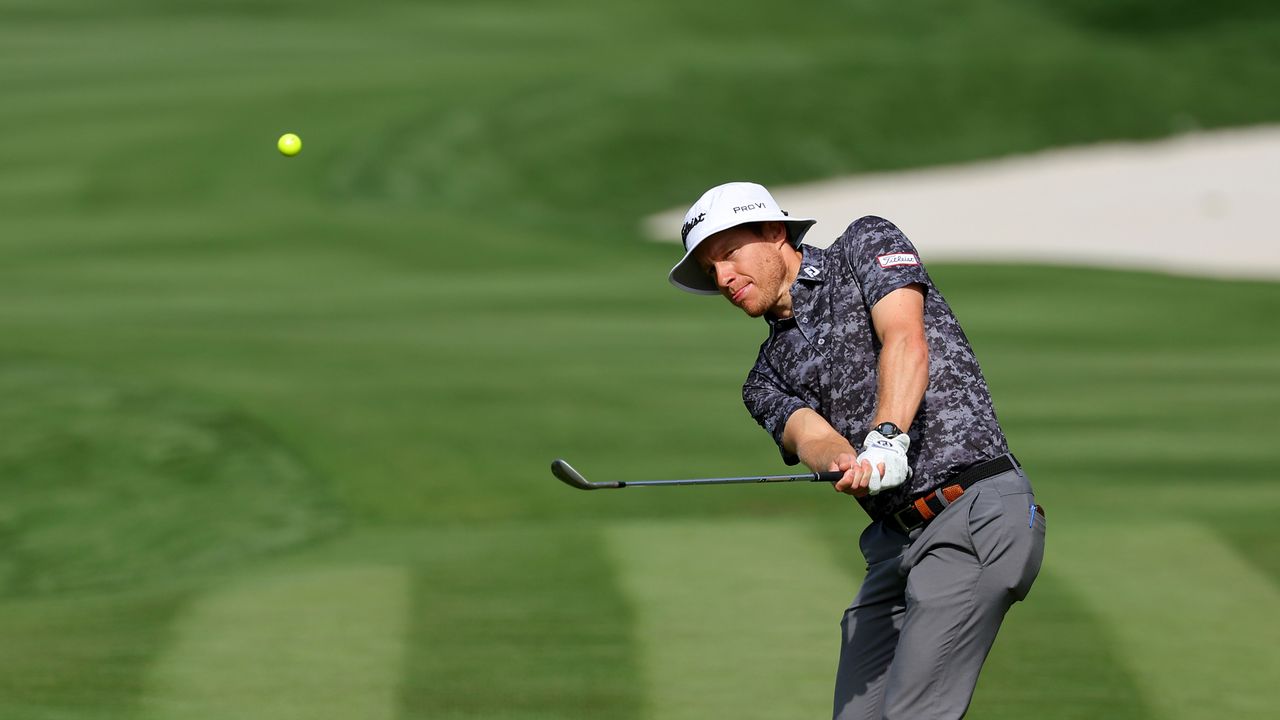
{"x": 825, "y": 357}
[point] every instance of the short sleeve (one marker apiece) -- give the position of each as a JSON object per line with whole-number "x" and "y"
{"x": 882, "y": 258}
{"x": 770, "y": 404}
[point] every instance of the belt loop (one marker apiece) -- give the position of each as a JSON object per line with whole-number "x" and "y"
{"x": 941, "y": 498}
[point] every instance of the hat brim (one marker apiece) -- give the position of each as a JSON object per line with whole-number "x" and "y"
{"x": 688, "y": 276}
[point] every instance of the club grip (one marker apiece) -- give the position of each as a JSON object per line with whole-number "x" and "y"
{"x": 829, "y": 476}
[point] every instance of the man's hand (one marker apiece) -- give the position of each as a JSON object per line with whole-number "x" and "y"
{"x": 857, "y": 475}
{"x": 888, "y": 460}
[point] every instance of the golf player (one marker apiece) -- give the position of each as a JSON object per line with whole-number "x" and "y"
{"x": 865, "y": 370}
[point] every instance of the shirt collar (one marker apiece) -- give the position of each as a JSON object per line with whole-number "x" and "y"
{"x": 812, "y": 272}
{"x": 812, "y": 265}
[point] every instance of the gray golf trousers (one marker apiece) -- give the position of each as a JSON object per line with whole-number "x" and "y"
{"x": 929, "y": 608}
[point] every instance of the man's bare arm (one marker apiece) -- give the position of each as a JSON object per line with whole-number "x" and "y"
{"x": 904, "y": 356}
{"x": 820, "y": 447}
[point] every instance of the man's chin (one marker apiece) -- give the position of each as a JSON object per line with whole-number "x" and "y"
{"x": 749, "y": 309}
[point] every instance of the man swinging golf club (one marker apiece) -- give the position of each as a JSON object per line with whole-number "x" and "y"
{"x": 866, "y": 371}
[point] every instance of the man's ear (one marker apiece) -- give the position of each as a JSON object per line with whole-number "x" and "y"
{"x": 774, "y": 231}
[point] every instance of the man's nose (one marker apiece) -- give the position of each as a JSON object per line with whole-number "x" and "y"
{"x": 724, "y": 274}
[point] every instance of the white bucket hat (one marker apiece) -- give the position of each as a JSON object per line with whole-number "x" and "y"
{"x": 720, "y": 208}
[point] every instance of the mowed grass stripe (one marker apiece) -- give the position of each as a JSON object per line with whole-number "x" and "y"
{"x": 518, "y": 622}
{"x": 1195, "y": 622}
{"x": 81, "y": 656}
{"x": 734, "y": 618}
{"x": 324, "y": 643}
{"x": 1055, "y": 657}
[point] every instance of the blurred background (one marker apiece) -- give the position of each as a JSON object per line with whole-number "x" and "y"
{"x": 275, "y": 432}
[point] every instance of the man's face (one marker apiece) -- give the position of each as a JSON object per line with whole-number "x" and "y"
{"x": 748, "y": 269}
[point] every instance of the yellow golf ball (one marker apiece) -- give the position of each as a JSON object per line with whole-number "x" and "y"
{"x": 289, "y": 144}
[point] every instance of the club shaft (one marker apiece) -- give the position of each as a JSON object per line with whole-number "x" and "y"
{"x": 810, "y": 477}
{"x": 566, "y": 474}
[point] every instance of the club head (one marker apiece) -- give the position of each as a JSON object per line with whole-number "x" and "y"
{"x": 569, "y": 476}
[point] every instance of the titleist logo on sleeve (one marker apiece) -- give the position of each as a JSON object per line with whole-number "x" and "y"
{"x": 897, "y": 259}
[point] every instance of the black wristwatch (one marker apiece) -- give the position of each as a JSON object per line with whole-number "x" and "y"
{"x": 888, "y": 429}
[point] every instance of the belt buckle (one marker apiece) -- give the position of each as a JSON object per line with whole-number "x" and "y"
{"x": 897, "y": 517}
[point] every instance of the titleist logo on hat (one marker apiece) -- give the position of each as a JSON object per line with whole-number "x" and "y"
{"x": 684, "y": 231}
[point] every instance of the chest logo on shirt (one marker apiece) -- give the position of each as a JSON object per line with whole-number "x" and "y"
{"x": 811, "y": 271}
{"x": 897, "y": 260}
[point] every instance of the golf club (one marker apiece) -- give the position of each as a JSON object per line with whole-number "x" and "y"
{"x": 569, "y": 476}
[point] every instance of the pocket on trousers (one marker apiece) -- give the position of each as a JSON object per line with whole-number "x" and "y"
{"x": 1035, "y": 555}
{"x": 1007, "y": 540}
{"x": 985, "y": 514}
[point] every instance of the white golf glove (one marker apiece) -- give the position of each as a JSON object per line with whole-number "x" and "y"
{"x": 892, "y": 452}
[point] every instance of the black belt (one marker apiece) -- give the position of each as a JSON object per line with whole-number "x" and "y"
{"x": 926, "y": 507}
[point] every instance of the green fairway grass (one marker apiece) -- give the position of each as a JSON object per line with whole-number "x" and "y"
{"x": 696, "y": 585}
{"x": 283, "y": 648}
{"x": 275, "y": 433}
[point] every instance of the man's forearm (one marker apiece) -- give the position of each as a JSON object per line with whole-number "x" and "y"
{"x": 813, "y": 440}
{"x": 903, "y": 378}
{"x": 818, "y": 455}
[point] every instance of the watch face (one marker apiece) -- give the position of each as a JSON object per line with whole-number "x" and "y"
{"x": 888, "y": 429}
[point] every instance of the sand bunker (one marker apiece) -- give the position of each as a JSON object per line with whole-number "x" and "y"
{"x": 1199, "y": 204}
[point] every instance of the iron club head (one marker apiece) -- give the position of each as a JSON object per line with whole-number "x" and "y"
{"x": 569, "y": 476}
